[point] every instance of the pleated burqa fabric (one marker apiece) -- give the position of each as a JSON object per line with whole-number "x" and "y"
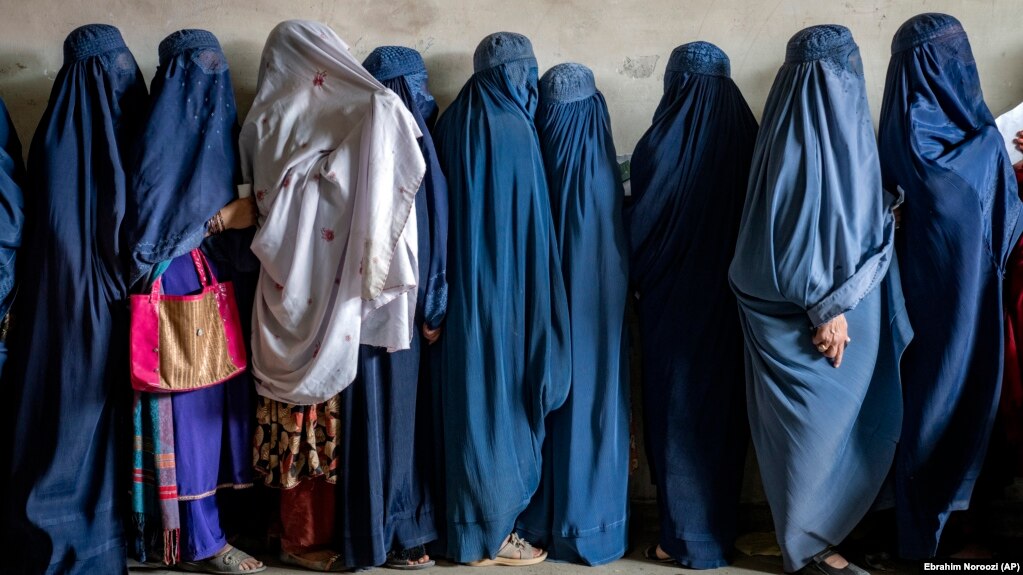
{"x": 689, "y": 176}
{"x": 506, "y": 342}
{"x": 580, "y": 512}
{"x": 67, "y": 378}
{"x": 940, "y": 145}
{"x": 12, "y": 217}
{"x": 384, "y": 493}
{"x": 815, "y": 242}
{"x": 186, "y": 172}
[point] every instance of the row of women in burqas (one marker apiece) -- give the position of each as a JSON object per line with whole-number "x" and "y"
{"x": 437, "y": 336}
{"x": 873, "y": 358}
{"x": 378, "y": 442}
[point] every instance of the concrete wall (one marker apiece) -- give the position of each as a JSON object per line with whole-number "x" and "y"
{"x": 626, "y": 43}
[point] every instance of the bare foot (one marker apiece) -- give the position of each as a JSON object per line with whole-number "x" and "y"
{"x": 246, "y": 564}
{"x": 424, "y": 559}
{"x": 661, "y": 554}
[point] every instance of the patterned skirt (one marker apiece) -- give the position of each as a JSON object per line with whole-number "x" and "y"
{"x": 296, "y": 442}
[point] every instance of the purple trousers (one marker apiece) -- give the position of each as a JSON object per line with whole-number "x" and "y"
{"x": 212, "y": 440}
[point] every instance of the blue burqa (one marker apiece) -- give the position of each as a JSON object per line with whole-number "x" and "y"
{"x": 12, "y": 215}
{"x": 816, "y": 241}
{"x": 939, "y": 144}
{"x": 67, "y": 378}
{"x": 580, "y": 511}
{"x": 506, "y": 344}
{"x": 187, "y": 168}
{"x": 384, "y": 495}
{"x": 689, "y": 176}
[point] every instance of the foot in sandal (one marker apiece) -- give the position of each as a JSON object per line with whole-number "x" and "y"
{"x": 324, "y": 561}
{"x": 409, "y": 559}
{"x": 515, "y": 552}
{"x": 228, "y": 561}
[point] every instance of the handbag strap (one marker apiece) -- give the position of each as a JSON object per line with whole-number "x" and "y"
{"x": 202, "y": 267}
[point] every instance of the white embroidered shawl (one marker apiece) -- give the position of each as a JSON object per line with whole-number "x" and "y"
{"x": 334, "y": 164}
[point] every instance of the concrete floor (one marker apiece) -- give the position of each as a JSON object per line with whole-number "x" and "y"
{"x": 634, "y": 563}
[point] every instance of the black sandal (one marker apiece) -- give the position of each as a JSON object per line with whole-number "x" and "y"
{"x": 818, "y": 566}
{"x": 400, "y": 559}
{"x": 651, "y": 554}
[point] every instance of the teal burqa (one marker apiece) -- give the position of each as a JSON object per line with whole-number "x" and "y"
{"x": 579, "y": 514}
{"x": 505, "y": 354}
{"x": 817, "y": 240}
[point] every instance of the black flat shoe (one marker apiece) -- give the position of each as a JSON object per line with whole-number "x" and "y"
{"x": 818, "y": 566}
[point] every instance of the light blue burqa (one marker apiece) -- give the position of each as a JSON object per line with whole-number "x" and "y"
{"x": 816, "y": 241}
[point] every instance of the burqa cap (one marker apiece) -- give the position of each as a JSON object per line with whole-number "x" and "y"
{"x": 388, "y": 62}
{"x": 91, "y": 40}
{"x": 501, "y": 48}
{"x": 183, "y": 40}
{"x": 818, "y": 42}
{"x": 925, "y": 28}
{"x": 699, "y": 58}
{"x": 567, "y": 83}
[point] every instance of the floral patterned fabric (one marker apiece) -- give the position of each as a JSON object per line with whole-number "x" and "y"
{"x": 296, "y": 442}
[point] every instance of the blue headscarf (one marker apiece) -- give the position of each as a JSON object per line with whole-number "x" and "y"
{"x": 389, "y": 63}
{"x": 940, "y": 145}
{"x": 12, "y": 208}
{"x": 188, "y": 162}
{"x": 580, "y": 512}
{"x": 403, "y": 71}
{"x": 816, "y": 241}
{"x": 689, "y": 175}
{"x": 66, "y": 380}
{"x": 506, "y": 342}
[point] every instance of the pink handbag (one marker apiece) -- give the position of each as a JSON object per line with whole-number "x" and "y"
{"x": 186, "y": 342}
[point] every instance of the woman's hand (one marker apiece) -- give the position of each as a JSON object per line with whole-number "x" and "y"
{"x": 431, "y": 335}
{"x": 240, "y": 214}
{"x": 832, "y": 338}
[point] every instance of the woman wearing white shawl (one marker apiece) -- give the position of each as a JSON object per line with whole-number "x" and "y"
{"x": 334, "y": 164}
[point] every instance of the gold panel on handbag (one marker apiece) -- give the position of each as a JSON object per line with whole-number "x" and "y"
{"x": 193, "y": 347}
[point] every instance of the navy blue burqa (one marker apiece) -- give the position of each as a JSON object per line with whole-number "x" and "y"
{"x": 939, "y": 143}
{"x": 689, "y": 175}
{"x": 506, "y": 342}
{"x": 580, "y": 511}
{"x": 384, "y": 495}
{"x": 816, "y": 241}
{"x": 67, "y": 379}
{"x": 12, "y": 215}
